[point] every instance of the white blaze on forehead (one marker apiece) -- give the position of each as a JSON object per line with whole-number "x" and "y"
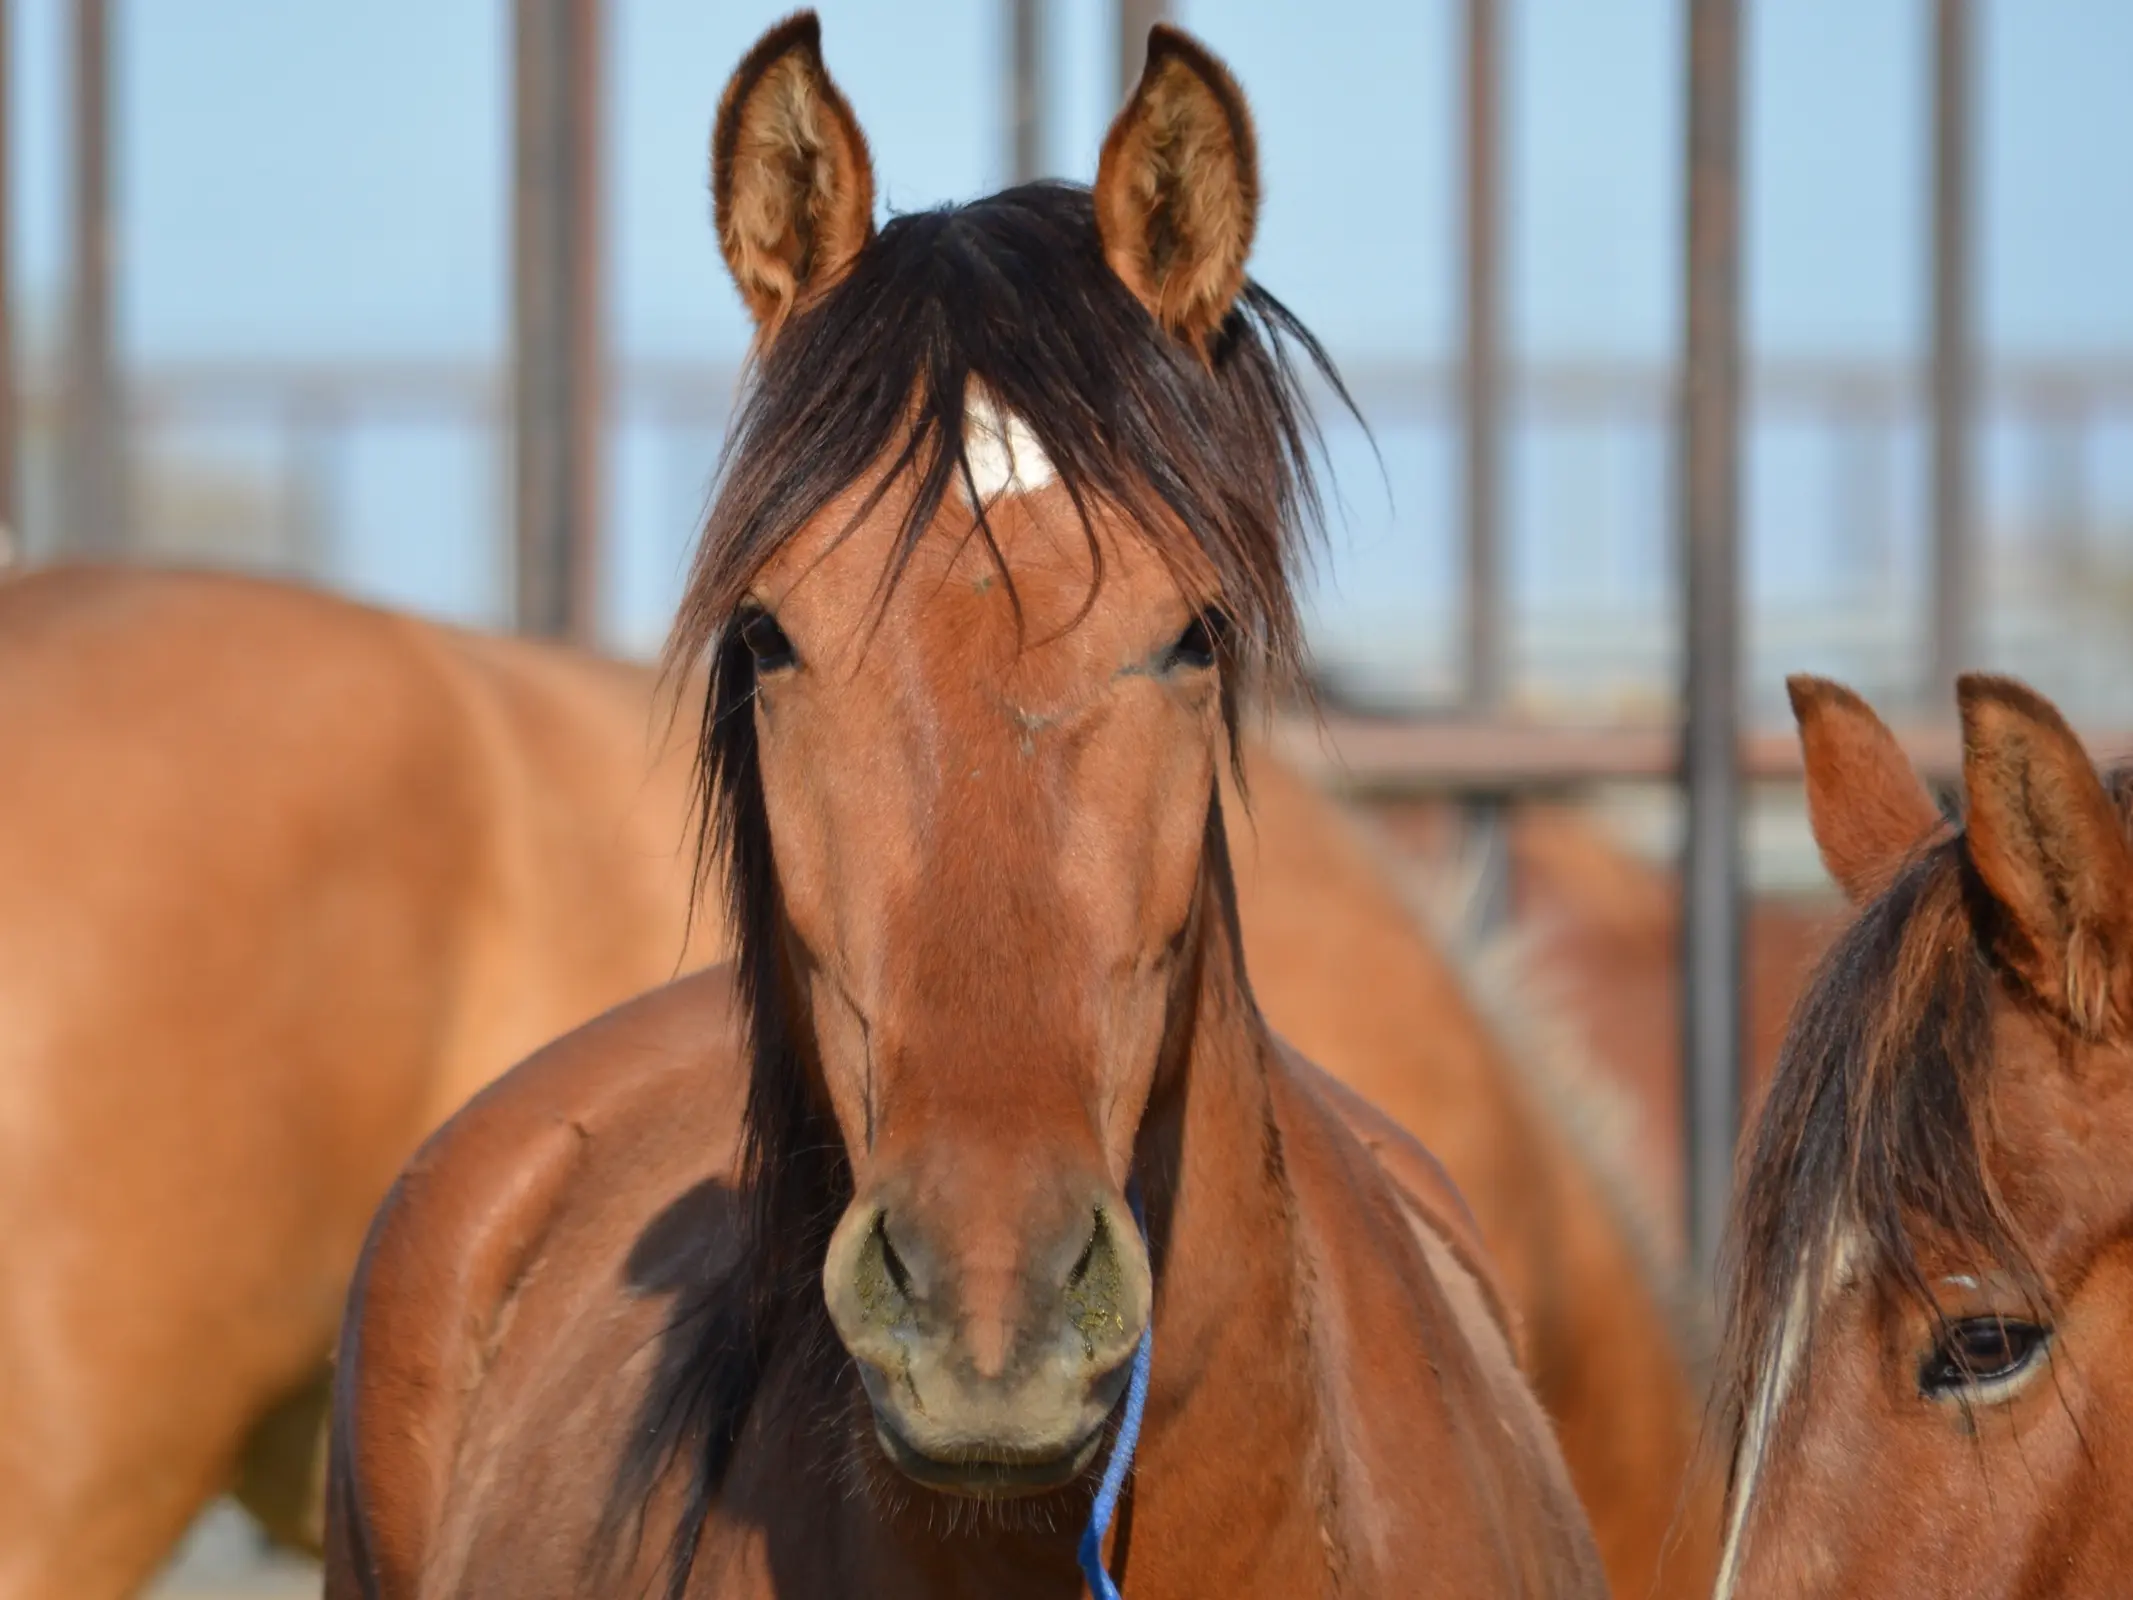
{"x": 1004, "y": 455}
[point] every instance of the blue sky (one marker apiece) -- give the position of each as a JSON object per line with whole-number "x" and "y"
{"x": 311, "y": 178}
{"x": 307, "y": 179}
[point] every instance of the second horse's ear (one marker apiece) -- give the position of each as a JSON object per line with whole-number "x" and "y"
{"x": 792, "y": 185}
{"x": 2050, "y": 847}
{"x": 1177, "y": 188}
{"x": 1866, "y": 805}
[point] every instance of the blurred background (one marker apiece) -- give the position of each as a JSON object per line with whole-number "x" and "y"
{"x": 418, "y": 299}
{"x": 308, "y": 212}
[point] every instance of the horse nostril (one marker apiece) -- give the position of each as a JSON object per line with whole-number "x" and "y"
{"x": 1087, "y": 1258}
{"x": 880, "y": 1280}
{"x": 891, "y": 1262}
{"x": 1095, "y": 1289}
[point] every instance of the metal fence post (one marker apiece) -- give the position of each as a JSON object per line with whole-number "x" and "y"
{"x": 1135, "y": 18}
{"x": 1487, "y": 817}
{"x": 1951, "y": 647}
{"x": 93, "y": 465}
{"x": 1026, "y": 86}
{"x": 1709, "y": 490}
{"x": 11, "y": 542}
{"x": 559, "y": 377}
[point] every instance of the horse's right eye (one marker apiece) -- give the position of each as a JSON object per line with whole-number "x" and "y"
{"x": 1199, "y": 646}
{"x": 1980, "y": 1353}
{"x": 767, "y": 642}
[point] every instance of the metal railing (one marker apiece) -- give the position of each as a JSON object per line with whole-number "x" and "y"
{"x": 2060, "y": 545}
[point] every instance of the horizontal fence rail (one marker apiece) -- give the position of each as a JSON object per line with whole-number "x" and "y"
{"x": 2055, "y": 554}
{"x": 1384, "y": 391}
{"x": 1425, "y": 758}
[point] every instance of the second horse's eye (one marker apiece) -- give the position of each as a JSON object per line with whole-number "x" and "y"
{"x": 766, "y": 641}
{"x": 1979, "y": 1352}
{"x": 1201, "y": 642}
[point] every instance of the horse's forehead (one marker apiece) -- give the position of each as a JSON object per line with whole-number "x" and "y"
{"x": 2063, "y": 1123}
{"x": 1048, "y": 587}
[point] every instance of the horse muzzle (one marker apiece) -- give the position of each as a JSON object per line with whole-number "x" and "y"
{"x": 991, "y": 1357}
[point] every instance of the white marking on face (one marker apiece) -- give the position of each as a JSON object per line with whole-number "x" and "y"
{"x": 1770, "y": 1393}
{"x": 1004, "y": 455}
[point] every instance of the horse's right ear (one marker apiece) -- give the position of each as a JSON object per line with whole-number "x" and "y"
{"x": 1867, "y": 807}
{"x": 2050, "y": 847}
{"x": 792, "y": 185}
{"x": 1177, "y": 188}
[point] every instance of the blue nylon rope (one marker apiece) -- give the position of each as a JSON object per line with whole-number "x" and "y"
{"x": 1129, "y": 1435}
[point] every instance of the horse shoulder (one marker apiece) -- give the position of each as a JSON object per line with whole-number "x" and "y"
{"x": 1430, "y": 1200}
{"x": 1338, "y": 1148}
{"x": 583, "y": 893}
{"x": 448, "y": 1253}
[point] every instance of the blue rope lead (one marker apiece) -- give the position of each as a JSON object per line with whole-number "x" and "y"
{"x": 1129, "y": 1435}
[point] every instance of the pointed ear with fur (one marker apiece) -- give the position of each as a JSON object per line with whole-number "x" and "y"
{"x": 2049, "y": 846}
{"x": 1867, "y": 807}
{"x": 792, "y": 185}
{"x": 1177, "y": 188}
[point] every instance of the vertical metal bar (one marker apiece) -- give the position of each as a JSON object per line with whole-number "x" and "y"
{"x": 1709, "y": 464}
{"x": 1135, "y": 18}
{"x": 1487, "y": 822}
{"x": 1025, "y": 90}
{"x": 11, "y": 543}
{"x": 1952, "y": 646}
{"x": 93, "y": 499}
{"x": 1480, "y": 418}
{"x": 587, "y": 337}
{"x": 559, "y": 375}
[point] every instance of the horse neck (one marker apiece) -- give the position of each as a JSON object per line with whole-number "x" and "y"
{"x": 1236, "y": 1409}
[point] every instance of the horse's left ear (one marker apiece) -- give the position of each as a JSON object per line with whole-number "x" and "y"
{"x": 792, "y": 185}
{"x": 1177, "y": 188}
{"x": 2050, "y": 847}
{"x": 1865, "y": 804}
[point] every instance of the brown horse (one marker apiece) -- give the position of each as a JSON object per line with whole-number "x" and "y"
{"x": 286, "y": 879}
{"x": 825, "y": 1274}
{"x": 1339, "y": 964}
{"x": 1932, "y": 1282}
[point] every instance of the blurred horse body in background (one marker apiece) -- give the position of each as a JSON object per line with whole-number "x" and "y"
{"x": 1602, "y": 926}
{"x": 1594, "y": 936}
{"x": 283, "y": 880}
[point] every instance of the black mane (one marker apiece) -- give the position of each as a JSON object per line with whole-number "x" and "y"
{"x": 869, "y": 384}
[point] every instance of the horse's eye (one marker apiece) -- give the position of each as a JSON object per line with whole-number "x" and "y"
{"x": 1197, "y": 647}
{"x": 1978, "y": 1351}
{"x": 766, "y": 642}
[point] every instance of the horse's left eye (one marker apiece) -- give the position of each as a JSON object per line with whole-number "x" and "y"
{"x": 1197, "y": 647}
{"x": 1980, "y": 1351}
{"x": 766, "y": 641}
